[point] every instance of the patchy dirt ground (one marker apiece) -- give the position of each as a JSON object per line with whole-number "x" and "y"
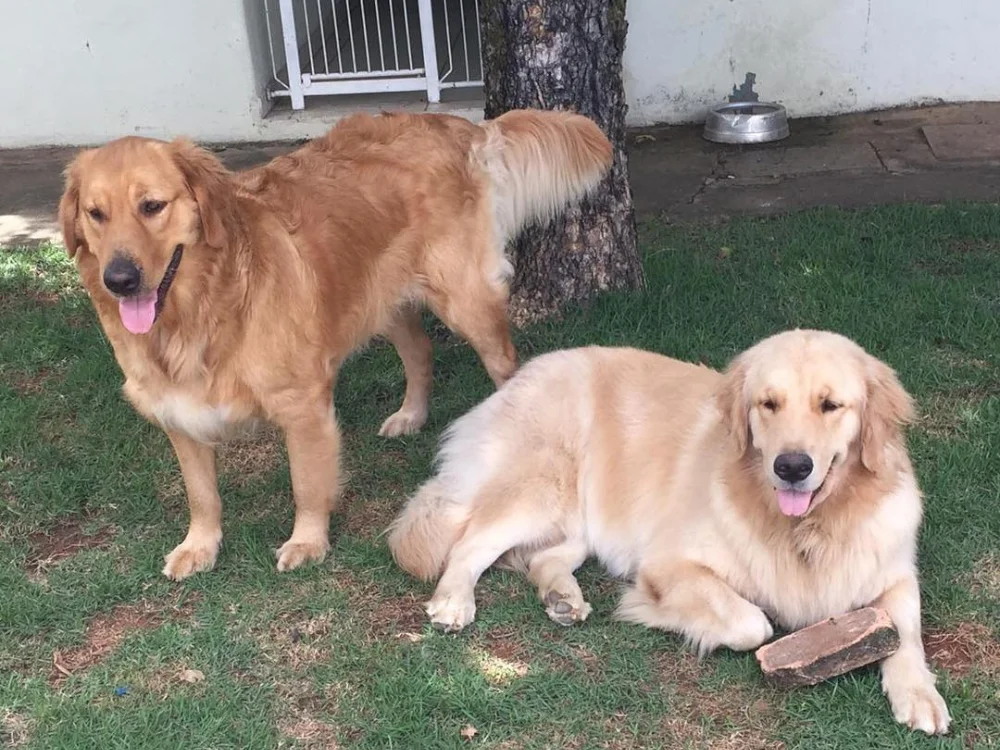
{"x": 289, "y": 647}
{"x": 739, "y": 717}
{"x": 63, "y": 540}
{"x": 34, "y": 384}
{"x": 368, "y": 517}
{"x": 15, "y": 729}
{"x": 252, "y": 459}
{"x": 984, "y": 578}
{"x": 963, "y": 648}
{"x": 106, "y": 631}
{"x": 308, "y": 732}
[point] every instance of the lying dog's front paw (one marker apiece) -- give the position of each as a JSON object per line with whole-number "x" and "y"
{"x": 451, "y": 613}
{"x": 748, "y": 629}
{"x": 566, "y": 609}
{"x": 194, "y": 555}
{"x": 293, "y": 553}
{"x": 920, "y": 707}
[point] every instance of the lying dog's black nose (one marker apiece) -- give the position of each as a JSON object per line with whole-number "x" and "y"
{"x": 122, "y": 276}
{"x": 793, "y": 467}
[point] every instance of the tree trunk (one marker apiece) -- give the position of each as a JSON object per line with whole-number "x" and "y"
{"x": 566, "y": 54}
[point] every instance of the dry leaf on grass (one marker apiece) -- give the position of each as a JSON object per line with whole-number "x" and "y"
{"x": 469, "y": 731}
{"x": 15, "y": 729}
{"x": 58, "y": 663}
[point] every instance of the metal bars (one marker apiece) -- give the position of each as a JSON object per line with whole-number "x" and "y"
{"x": 372, "y": 46}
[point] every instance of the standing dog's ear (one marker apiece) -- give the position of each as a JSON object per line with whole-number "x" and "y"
{"x": 888, "y": 408}
{"x": 69, "y": 206}
{"x": 209, "y": 183}
{"x": 731, "y": 400}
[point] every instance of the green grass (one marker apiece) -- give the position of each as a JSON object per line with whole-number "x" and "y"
{"x": 340, "y": 652}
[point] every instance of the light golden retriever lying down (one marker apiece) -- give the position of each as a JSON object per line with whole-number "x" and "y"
{"x": 781, "y": 489}
{"x": 235, "y": 297}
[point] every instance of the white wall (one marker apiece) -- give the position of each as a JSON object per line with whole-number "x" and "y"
{"x": 815, "y": 56}
{"x": 84, "y": 71}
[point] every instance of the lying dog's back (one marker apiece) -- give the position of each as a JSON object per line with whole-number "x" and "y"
{"x": 578, "y": 417}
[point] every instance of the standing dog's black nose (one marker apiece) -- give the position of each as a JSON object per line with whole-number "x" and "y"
{"x": 122, "y": 276}
{"x": 793, "y": 467}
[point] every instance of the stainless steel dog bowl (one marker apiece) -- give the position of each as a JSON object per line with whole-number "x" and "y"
{"x": 746, "y": 122}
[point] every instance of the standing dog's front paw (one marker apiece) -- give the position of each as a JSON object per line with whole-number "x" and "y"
{"x": 195, "y": 554}
{"x": 920, "y": 706}
{"x": 403, "y": 422}
{"x": 293, "y": 553}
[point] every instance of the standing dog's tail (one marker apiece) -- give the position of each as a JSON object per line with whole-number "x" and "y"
{"x": 424, "y": 533}
{"x": 539, "y": 163}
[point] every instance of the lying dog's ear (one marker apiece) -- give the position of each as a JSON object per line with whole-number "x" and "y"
{"x": 731, "y": 400}
{"x": 69, "y": 207}
{"x": 209, "y": 183}
{"x": 888, "y": 408}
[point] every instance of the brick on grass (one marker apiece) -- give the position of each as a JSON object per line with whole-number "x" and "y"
{"x": 829, "y": 648}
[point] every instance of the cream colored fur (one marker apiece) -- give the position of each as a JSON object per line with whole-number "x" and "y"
{"x": 663, "y": 470}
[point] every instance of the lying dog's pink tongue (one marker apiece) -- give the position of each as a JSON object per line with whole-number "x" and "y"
{"x": 138, "y": 313}
{"x": 793, "y": 503}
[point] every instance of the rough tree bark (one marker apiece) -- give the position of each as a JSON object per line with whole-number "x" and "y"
{"x": 566, "y": 54}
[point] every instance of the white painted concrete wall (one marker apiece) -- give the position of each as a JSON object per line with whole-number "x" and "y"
{"x": 85, "y": 71}
{"x": 817, "y": 57}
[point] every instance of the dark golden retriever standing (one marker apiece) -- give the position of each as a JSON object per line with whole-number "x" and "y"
{"x": 231, "y": 298}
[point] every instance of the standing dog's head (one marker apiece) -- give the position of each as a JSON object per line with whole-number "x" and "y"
{"x": 136, "y": 204}
{"x": 811, "y": 404}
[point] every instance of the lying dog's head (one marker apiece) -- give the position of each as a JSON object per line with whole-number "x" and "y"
{"x": 811, "y": 404}
{"x": 136, "y": 204}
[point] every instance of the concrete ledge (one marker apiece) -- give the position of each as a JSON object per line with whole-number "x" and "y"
{"x": 922, "y": 155}
{"x": 285, "y": 124}
{"x": 964, "y": 142}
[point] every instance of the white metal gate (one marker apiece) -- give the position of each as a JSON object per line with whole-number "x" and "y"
{"x": 323, "y": 47}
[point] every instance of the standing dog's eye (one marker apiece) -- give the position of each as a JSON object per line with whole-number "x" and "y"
{"x": 770, "y": 405}
{"x": 826, "y": 406}
{"x": 95, "y": 214}
{"x": 151, "y": 208}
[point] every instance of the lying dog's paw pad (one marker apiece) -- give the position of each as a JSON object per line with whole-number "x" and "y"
{"x": 563, "y": 610}
{"x": 292, "y": 555}
{"x": 403, "y": 423}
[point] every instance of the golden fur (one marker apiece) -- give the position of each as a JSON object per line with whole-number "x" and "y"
{"x": 666, "y": 472}
{"x": 288, "y": 267}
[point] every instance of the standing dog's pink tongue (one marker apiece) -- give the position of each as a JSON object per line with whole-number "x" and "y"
{"x": 793, "y": 503}
{"x": 138, "y": 313}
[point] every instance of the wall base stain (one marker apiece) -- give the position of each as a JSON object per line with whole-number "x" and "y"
{"x": 745, "y": 92}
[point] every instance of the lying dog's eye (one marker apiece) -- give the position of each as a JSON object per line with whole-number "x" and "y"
{"x": 152, "y": 208}
{"x": 770, "y": 405}
{"x": 95, "y": 214}
{"x": 827, "y": 406}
